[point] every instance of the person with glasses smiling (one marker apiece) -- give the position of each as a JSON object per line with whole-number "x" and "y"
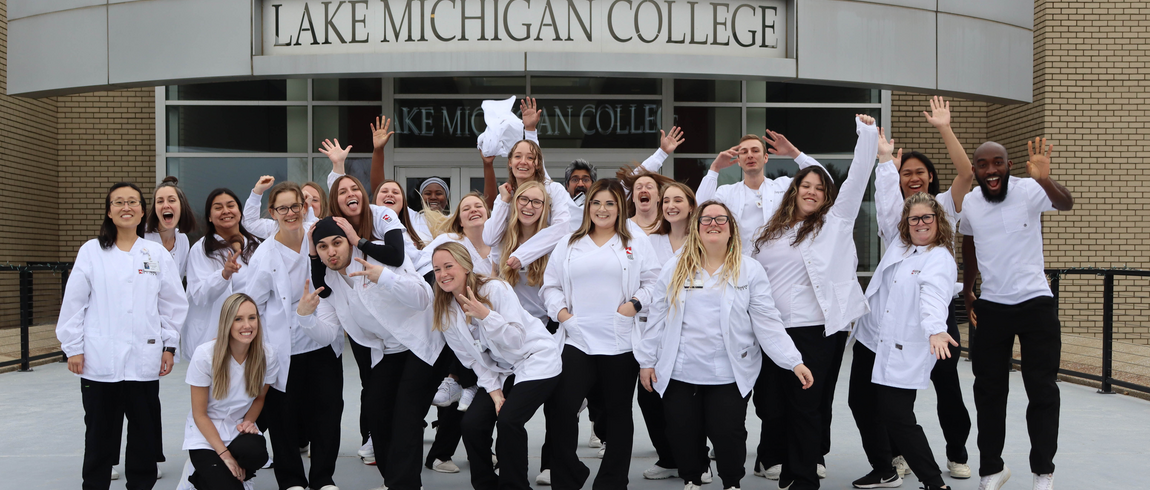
{"x": 308, "y": 390}
{"x": 120, "y": 340}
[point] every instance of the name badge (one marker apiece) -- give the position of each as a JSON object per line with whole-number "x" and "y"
{"x": 150, "y": 267}
{"x": 151, "y": 341}
{"x": 696, "y": 283}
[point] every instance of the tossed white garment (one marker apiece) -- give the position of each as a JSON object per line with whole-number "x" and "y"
{"x": 504, "y": 128}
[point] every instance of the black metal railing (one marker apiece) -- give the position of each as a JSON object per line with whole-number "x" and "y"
{"x": 27, "y": 306}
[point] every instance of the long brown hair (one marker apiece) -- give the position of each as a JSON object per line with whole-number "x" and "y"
{"x": 630, "y": 174}
{"x": 664, "y": 225}
{"x": 455, "y": 222}
{"x": 691, "y": 256}
{"x": 512, "y": 238}
{"x": 788, "y": 212}
{"x": 324, "y": 208}
{"x": 255, "y": 365}
{"x": 404, "y": 219}
{"x": 187, "y": 222}
{"x": 365, "y": 228}
{"x": 616, "y": 191}
{"x": 443, "y": 299}
{"x": 944, "y": 234}
{"x": 540, "y": 174}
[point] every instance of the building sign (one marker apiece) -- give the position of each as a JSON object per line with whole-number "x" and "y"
{"x": 724, "y": 28}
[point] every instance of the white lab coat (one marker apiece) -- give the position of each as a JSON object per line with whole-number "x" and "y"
{"x": 480, "y": 265}
{"x": 652, "y": 164}
{"x": 545, "y": 240}
{"x": 510, "y": 341}
{"x": 207, "y": 290}
{"x": 750, "y": 320}
{"x": 916, "y": 308}
{"x": 640, "y": 271}
{"x": 179, "y": 252}
{"x": 121, "y": 310}
{"x": 263, "y": 228}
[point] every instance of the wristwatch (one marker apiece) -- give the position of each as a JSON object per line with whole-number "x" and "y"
{"x": 170, "y": 349}
{"x": 638, "y": 306}
{"x": 362, "y": 242}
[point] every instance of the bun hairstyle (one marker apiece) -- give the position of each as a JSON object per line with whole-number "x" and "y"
{"x": 186, "y": 223}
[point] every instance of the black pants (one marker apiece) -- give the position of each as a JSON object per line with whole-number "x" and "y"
{"x": 249, "y": 450}
{"x": 105, "y": 407}
{"x": 399, "y": 393}
{"x": 522, "y": 400}
{"x": 1036, "y": 324}
{"x": 697, "y": 412}
{"x": 598, "y": 425}
{"x": 840, "y": 346}
{"x": 651, "y": 405}
{"x": 615, "y": 378}
{"x": 449, "y": 419}
{"x": 363, "y": 364}
{"x": 314, "y": 399}
{"x": 885, "y": 415}
{"x": 795, "y": 414}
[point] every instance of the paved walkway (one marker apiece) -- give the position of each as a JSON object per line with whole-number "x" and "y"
{"x": 1102, "y": 442}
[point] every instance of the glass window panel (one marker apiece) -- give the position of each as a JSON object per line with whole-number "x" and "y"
{"x": 476, "y": 183}
{"x": 708, "y": 91}
{"x": 812, "y": 130}
{"x": 199, "y": 176}
{"x": 411, "y": 188}
{"x": 358, "y": 167}
{"x": 691, "y": 171}
{"x": 762, "y": 91}
{"x": 709, "y": 129}
{"x": 350, "y": 124}
{"x": 248, "y": 129}
{"x": 502, "y": 86}
{"x": 365, "y": 89}
{"x": 596, "y": 86}
{"x": 295, "y": 89}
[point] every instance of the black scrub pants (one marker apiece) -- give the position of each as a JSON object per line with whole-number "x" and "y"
{"x": 698, "y": 412}
{"x": 105, "y": 407}
{"x": 314, "y": 388}
{"x": 795, "y": 416}
{"x": 614, "y": 377}
{"x": 1039, "y": 332}
{"x": 362, "y": 356}
{"x": 449, "y": 424}
{"x": 249, "y": 450}
{"x": 521, "y": 401}
{"x": 885, "y": 415}
{"x": 400, "y": 391}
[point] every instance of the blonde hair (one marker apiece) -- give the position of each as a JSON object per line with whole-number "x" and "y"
{"x": 255, "y": 365}
{"x": 443, "y": 299}
{"x": 664, "y": 225}
{"x": 540, "y": 174}
{"x": 692, "y": 255}
{"x": 620, "y": 226}
{"x": 944, "y": 234}
{"x": 454, "y": 222}
{"x": 512, "y": 238}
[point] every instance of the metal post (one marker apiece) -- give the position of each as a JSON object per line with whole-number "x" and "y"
{"x": 25, "y": 317}
{"x": 1107, "y": 332}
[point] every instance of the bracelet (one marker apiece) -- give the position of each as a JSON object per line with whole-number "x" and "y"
{"x": 225, "y": 450}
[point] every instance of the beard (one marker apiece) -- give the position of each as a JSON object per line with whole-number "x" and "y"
{"x": 1004, "y": 183}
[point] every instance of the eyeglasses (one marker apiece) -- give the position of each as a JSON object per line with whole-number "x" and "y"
{"x": 527, "y": 201}
{"x": 580, "y": 179}
{"x": 925, "y": 219}
{"x": 721, "y": 220}
{"x": 606, "y": 204}
{"x": 282, "y": 210}
{"x": 131, "y": 203}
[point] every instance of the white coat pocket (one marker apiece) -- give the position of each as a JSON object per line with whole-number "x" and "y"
{"x": 623, "y": 327}
{"x": 1015, "y": 218}
{"x": 100, "y": 356}
{"x": 907, "y": 364}
{"x": 570, "y": 330}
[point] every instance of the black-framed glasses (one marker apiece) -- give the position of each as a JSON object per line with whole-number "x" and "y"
{"x": 925, "y": 219}
{"x": 721, "y": 220}
{"x": 282, "y": 210}
{"x": 527, "y": 201}
{"x": 131, "y": 203}
{"x": 577, "y": 179}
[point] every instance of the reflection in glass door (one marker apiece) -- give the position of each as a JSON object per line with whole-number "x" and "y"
{"x": 413, "y": 177}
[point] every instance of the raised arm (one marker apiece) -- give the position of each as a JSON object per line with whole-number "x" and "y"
{"x": 380, "y": 135}
{"x": 710, "y": 183}
{"x": 887, "y": 191}
{"x": 337, "y": 155}
{"x": 490, "y": 183}
{"x": 940, "y": 119}
{"x": 668, "y": 142}
{"x": 261, "y": 227}
{"x": 866, "y": 150}
{"x": 781, "y": 146}
{"x": 317, "y": 318}
{"x": 1039, "y": 167}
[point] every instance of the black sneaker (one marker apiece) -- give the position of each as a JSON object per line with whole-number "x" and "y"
{"x": 879, "y": 479}
{"x": 930, "y": 487}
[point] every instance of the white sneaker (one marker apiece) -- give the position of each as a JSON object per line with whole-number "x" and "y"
{"x": 466, "y": 397}
{"x": 960, "y": 471}
{"x": 544, "y": 478}
{"x": 444, "y": 466}
{"x": 995, "y": 481}
{"x": 297, "y": 487}
{"x": 602, "y": 450}
{"x": 707, "y": 476}
{"x": 448, "y": 392}
{"x": 820, "y": 470}
{"x": 159, "y": 474}
{"x": 367, "y": 453}
{"x": 1044, "y": 482}
{"x": 329, "y": 487}
{"x": 268, "y": 464}
{"x": 691, "y": 486}
{"x": 732, "y": 488}
{"x": 656, "y": 472}
{"x": 594, "y": 442}
{"x": 771, "y": 473}
{"x": 115, "y": 474}
{"x": 900, "y": 466}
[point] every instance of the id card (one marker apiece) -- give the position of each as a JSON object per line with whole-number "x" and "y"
{"x": 150, "y": 267}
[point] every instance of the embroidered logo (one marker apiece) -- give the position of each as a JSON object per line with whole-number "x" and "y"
{"x": 630, "y": 254}
{"x": 743, "y": 287}
{"x": 387, "y": 217}
{"x": 914, "y": 272}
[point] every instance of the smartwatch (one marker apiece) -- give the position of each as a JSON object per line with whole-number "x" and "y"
{"x": 362, "y": 242}
{"x": 638, "y": 306}
{"x": 170, "y": 349}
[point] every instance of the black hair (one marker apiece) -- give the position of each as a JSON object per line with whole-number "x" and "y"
{"x": 580, "y": 164}
{"x": 211, "y": 244}
{"x": 931, "y": 188}
{"x": 187, "y": 223}
{"x": 108, "y": 230}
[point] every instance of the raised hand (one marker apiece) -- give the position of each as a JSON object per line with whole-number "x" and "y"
{"x": 336, "y": 154}
{"x": 497, "y": 397}
{"x": 309, "y": 301}
{"x": 939, "y": 112}
{"x": 940, "y": 345}
{"x": 488, "y": 161}
{"x": 380, "y": 133}
{"x": 348, "y": 230}
{"x": 866, "y": 119}
{"x": 804, "y": 375}
{"x": 471, "y": 306}
{"x": 505, "y": 192}
{"x": 311, "y": 252}
{"x": 263, "y": 184}
{"x": 370, "y": 271}
{"x": 231, "y": 266}
{"x": 669, "y": 141}
{"x": 886, "y": 149}
{"x": 530, "y": 113}
{"x": 647, "y": 377}
{"x": 725, "y": 159}
{"x": 1038, "y": 165}
{"x": 780, "y": 145}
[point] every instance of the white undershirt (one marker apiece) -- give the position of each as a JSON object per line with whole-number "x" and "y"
{"x": 225, "y": 414}
{"x": 702, "y": 357}
{"x": 596, "y": 291}
{"x": 790, "y": 283}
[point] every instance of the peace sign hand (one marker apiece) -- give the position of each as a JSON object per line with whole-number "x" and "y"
{"x": 309, "y": 301}
{"x": 1039, "y": 163}
{"x": 669, "y": 141}
{"x": 370, "y": 271}
{"x": 472, "y": 307}
{"x": 232, "y": 265}
{"x": 380, "y": 133}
